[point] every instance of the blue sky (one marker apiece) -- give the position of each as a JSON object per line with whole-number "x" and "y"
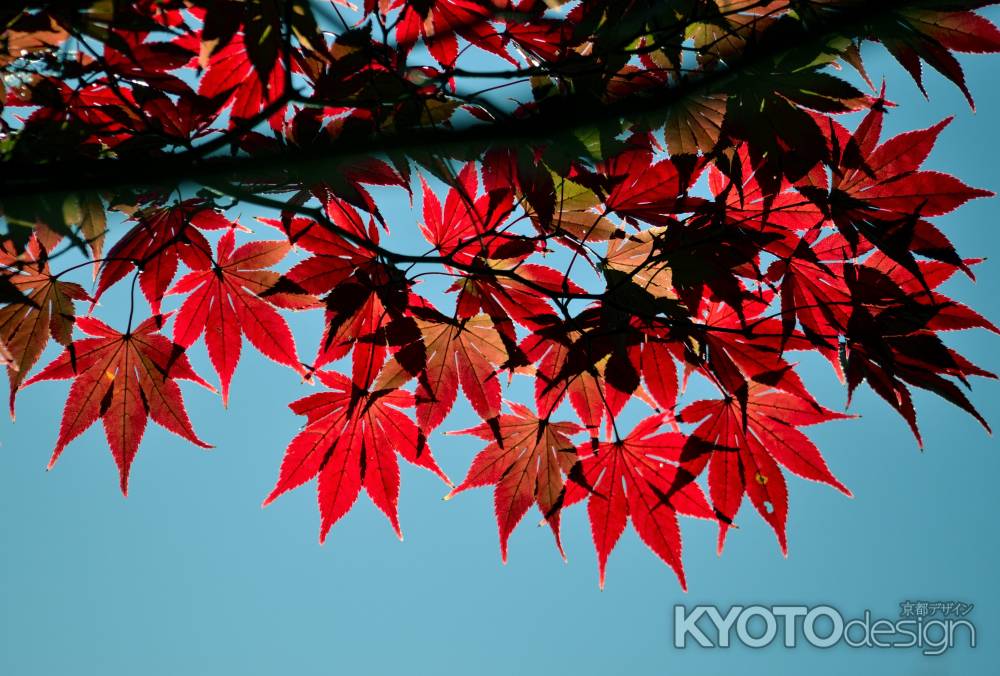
{"x": 190, "y": 575}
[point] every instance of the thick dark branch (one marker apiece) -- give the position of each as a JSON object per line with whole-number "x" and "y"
{"x": 21, "y": 178}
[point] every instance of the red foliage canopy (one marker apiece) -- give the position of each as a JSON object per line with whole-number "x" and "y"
{"x": 676, "y": 191}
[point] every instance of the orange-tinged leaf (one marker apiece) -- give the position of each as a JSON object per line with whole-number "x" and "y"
{"x": 46, "y": 310}
{"x": 525, "y": 461}
{"x": 450, "y": 353}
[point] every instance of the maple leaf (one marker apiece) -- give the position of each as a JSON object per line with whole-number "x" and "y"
{"x": 947, "y": 314}
{"x": 647, "y": 190}
{"x": 743, "y": 440}
{"x": 86, "y": 211}
{"x": 234, "y": 72}
{"x": 363, "y": 295}
{"x": 350, "y": 441}
{"x": 572, "y": 363}
{"x": 635, "y": 260}
{"x": 225, "y": 303}
{"x": 134, "y": 58}
{"x": 161, "y": 238}
{"x": 888, "y": 343}
{"x": 509, "y": 299}
{"x": 694, "y": 124}
{"x": 124, "y": 379}
{"x": 41, "y": 307}
{"x": 348, "y": 183}
{"x": 767, "y": 110}
{"x": 877, "y": 198}
{"x": 638, "y": 478}
{"x": 449, "y": 352}
{"x": 358, "y": 313}
{"x": 439, "y": 22}
{"x": 467, "y": 226}
{"x": 745, "y": 345}
{"x": 813, "y": 290}
{"x": 548, "y": 39}
{"x": 664, "y": 269}
{"x": 335, "y": 258}
{"x": 100, "y": 114}
{"x": 513, "y": 298}
{"x": 914, "y": 33}
{"x": 578, "y": 215}
{"x": 525, "y": 460}
{"x": 878, "y": 191}
{"x": 748, "y": 204}
{"x": 659, "y": 372}
{"x": 182, "y": 119}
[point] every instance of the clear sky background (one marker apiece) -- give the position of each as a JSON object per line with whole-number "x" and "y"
{"x": 188, "y": 575}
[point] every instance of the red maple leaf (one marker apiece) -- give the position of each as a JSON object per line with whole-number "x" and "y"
{"x": 232, "y": 74}
{"x": 161, "y": 238}
{"x": 573, "y": 366}
{"x": 812, "y": 288}
{"x": 743, "y": 446}
{"x": 469, "y": 225}
{"x": 892, "y": 340}
{"x": 748, "y": 346}
{"x": 225, "y": 303}
{"x": 105, "y": 115}
{"x": 948, "y": 314}
{"x": 932, "y": 35}
{"x": 637, "y": 477}
{"x": 334, "y": 257}
{"x": 350, "y": 441}
{"x": 748, "y": 204}
{"x": 878, "y": 191}
{"x": 441, "y": 25}
{"x": 647, "y": 190}
{"x": 363, "y": 295}
{"x": 124, "y": 379}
